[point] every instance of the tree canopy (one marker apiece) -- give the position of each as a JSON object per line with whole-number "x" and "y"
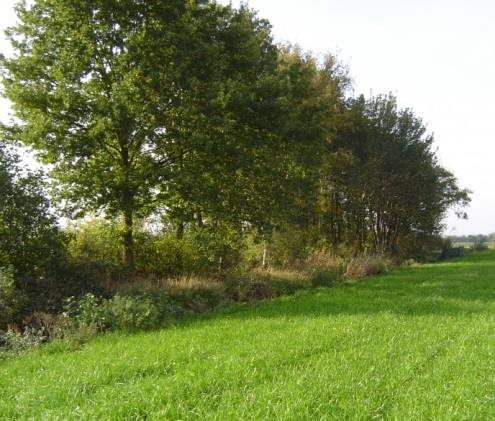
{"x": 189, "y": 109}
{"x": 29, "y": 236}
{"x": 384, "y": 186}
{"x": 133, "y": 100}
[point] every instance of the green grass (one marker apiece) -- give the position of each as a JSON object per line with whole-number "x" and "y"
{"x": 417, "y": 343}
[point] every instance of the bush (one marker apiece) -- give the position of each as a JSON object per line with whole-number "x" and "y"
{"x": 76, "y": 337}
{"x": 479, "y": 246}
{"x": 188, "y": 301}
{"x": 284, "y": 283}
{"x": 48, "y": 293}
{"x": 290, "y": 246}
{"x": 16, "y": 341}
{"x": 324, "y": 277}
{"x": 409, "y": 263}
{"x": 118, "y": 312}
{"x": 97, "y": 241}
{"x": 10, "y": 299}
{"x": 46, "y": 323}
{"x": 129, "y": 313}
{"x": 362, "y": 266}
{"x": 165, "y": 255}
{"x": 30, "y": 241}
{"x": 322, "y": 258}
{"x": 250, "y": 287}
{"x": 86, "y": 311}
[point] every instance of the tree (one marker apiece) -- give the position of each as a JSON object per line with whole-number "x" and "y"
{"x": 128, "y": 99}
{"x": 270, "y": 176}
{"x": 30, "y": 242}
{"x": 386, "y": 188}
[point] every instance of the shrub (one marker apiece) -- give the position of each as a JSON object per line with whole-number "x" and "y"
{"x": 250, "y": 287}
{"x": 16, "y": 341}
{"x": 96, "y": 240}
{"x": 186, "y": 301}
{"x": 324, "y": 259}
{"x": 48, "y": 293}
{"x": 30, "y": 240}
{"x": 290, "y": 246}
{"x": 118, "y": 312}
{"x": 479, "y": 246}
{"x": 85, "y": 311}
{"x": 46, "y": 323}
{"x": 165, "y": 255}
{"x": 76, "y": 337}
{"x": 10, "y": 299}
{"x": 362, "y": 266}
{"x": 324, "y": 277}
{"x": 287, "y": 283}
{"x": 129, "y": 313}
{"x": 409, "y": 263}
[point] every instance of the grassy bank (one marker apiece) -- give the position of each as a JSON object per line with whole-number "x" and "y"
{"x": 416, "y": 343}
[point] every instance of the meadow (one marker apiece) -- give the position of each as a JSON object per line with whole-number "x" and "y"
{"x": 416, "y": 343}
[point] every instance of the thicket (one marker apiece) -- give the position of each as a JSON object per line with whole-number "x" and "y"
{"x": 213, "y": 157}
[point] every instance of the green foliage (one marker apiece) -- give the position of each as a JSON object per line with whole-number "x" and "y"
{"x": 48, "y": 293}
{"x": 131, "y": 103}
{"x": 291, "y": 245}
{"x": 17, "y": 341}
{"x": 384, "y": 190}
{"x": 31, "y": 244}
{"x": 247, "y": 154}
{"x": 324, "y": 277}
{"x": 130, "y": 313}
{"x": 165, "y": 255}
{"x": 96, "y": 241}
{"x": 10, "y": 298}
{"x": 30, "y": 241}
{"x": 86, "y": 311}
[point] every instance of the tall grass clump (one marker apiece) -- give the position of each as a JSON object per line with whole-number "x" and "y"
{"x": 363, "y": 265}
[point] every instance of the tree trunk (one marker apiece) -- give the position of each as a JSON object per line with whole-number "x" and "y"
{"x": 199, "y": 218}
{"x": 128, "y": 242}
{"x": 265, "y": 254}
{"x": 179, "y": 231}
{"x": 220, "y": 263}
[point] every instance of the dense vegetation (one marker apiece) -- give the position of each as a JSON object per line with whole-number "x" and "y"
{"x": 416, "y": 343}
{"x": 205, "y": 149}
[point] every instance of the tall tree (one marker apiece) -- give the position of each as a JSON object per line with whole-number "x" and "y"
{"x": 386, "y": 185}
{"x": 30, "y": 242}
{"x": 266, "y": 168}
{"x": 126, "y": 98}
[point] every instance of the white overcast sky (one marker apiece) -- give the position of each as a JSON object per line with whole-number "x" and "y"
{"x": 437, "y": 56}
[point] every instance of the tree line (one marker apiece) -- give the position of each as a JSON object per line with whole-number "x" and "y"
{"x": 190, "y": 113}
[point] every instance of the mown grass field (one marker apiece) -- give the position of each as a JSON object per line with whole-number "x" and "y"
{"x": 417, "y": 343}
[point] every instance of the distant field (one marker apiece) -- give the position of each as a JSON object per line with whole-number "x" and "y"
{"x": 418, "y": 343}
{"x": 468, "y": 244}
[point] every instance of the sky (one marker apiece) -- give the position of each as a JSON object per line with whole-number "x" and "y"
{"x": 436, "y": 56}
